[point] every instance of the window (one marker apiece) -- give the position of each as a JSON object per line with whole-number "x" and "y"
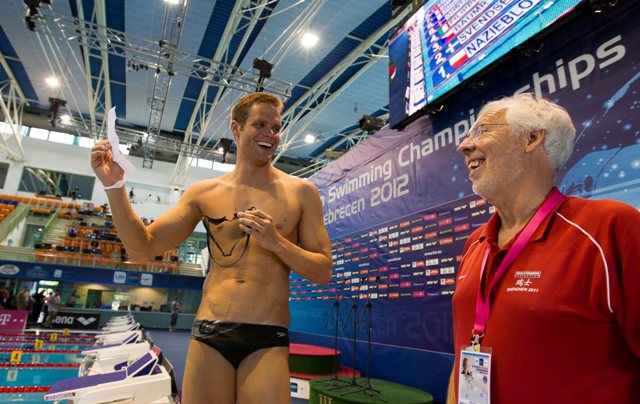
{"x": 38, "y": 133}
{"x": 49, "y": 182}
{"x": 224, "y": 167}
{"x": 5, "y": 128}
{"x": 60, "y": 137}
{"x": 86, "y": 142}
{"x": 205, "y": 163}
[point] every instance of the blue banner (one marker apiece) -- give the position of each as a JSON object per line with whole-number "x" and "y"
{"x": 68, "y": 273}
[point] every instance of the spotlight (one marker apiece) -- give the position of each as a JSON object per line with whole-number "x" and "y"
{"x": 54, "y": 107}
{"x": 531, "y": 48}
{"x": 225, "y": 145}
{"x": 474, "y": 82}
{"x": 334, "y": 154}
{"x": 371, "y": 123}
{"x": 435, "y": 109}
{"x": 55, "y": 104}
{"x": 598, "y": 5}
{"x": 32, "y": 12}
{"x": 30, "y": 15}
{"x": 32, "y": 4}
{"x": 31, "y": 26}
{"x": 264, "y": 68}
{"x": 398, "y": 5}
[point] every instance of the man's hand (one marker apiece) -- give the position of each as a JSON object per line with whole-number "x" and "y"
{"x": 107, "y": 171}
{"x": 260, "y": 226}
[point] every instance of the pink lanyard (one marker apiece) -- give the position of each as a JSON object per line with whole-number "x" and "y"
{"x": 482, "y": 305}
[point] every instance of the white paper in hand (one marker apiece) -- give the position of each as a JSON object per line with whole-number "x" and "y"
{"x": 118, "y": 157}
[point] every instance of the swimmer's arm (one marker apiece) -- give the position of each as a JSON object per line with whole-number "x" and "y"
{"x": 172, "y": 228}
{"x": 311, "y": 259}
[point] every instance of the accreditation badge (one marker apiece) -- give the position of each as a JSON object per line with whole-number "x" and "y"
{"x": 474, "y": 380}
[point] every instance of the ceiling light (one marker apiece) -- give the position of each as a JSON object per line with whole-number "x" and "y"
{"x": 309, "y": 39}
{"x": 309, "y": 138}
{"x": 52, "y": 81}
{"x": 225, "y": 145}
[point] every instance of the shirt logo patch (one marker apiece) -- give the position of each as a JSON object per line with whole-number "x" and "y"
{"x": 527, "y": 274}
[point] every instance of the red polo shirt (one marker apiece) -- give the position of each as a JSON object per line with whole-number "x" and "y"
{"x": 564, "y": 325}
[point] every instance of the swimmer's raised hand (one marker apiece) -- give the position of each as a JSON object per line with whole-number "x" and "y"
{"x": 107, "y": 171}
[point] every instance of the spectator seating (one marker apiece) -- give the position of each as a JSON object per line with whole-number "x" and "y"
{"x": 91, "y": 240}
{"x": 6, "y": 207}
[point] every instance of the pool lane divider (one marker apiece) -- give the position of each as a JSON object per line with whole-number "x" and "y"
{"x": 24, "y": 389}
{"x": 28, "y": 341}
{"x": 38, "y": 365}
{"x": 76, "y": 351}
{"x": 46, "y": 335}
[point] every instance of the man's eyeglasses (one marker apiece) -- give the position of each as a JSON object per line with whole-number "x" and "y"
{"x": 478, "y": 131}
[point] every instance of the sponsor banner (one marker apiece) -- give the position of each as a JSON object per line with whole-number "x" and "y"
{"x": 13, "y": 320}
{"x": 43, "y": 271}
{"x": 76, "y": 320}
{"x": 9, "y": 270}
{"x": 119, "y": 277}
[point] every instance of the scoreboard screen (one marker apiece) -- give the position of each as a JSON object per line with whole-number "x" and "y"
{"x": 446, "y": 42}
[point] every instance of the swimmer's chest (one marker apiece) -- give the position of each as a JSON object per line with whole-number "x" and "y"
{"x": 282, "y": 205}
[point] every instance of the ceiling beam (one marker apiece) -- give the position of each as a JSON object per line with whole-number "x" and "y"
{"x": 143, "y": 53}
{"x": 171, "y": 30}
{"x": 319, "y": 97}
{"x": 12, "y": 103}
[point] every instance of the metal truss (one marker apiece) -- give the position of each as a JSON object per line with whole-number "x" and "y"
{"x": 12, "y": 102}
{"x": 135, "y": 138}
{"x": 96, "y": 83}
{"x": 317, "y": 98}
{"x": 244, "y": 16}
{"x": 171, "y": 30}
{"x": 145, "y": 53}
{"x": 162, "y": 57}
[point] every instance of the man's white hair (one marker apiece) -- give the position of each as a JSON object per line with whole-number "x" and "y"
{"x": 525, "y": 114}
